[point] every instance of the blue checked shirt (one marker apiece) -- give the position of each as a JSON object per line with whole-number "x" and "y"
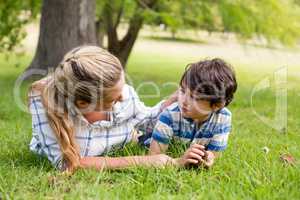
{"x": 97, "y": 138}
{"x": 213, "y": 133}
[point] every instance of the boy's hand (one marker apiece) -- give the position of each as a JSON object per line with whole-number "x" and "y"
{"x": 193, "y": 155}
{"x": 209, "y": 159}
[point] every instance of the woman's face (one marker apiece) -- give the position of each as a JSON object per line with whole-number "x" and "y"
{"x": 113, "y": 96}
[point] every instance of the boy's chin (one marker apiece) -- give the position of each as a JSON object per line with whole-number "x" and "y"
{"x": 193, "y": 116}
{"x": 186, "y": 114}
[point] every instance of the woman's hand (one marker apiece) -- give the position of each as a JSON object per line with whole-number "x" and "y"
{"x": 172, "y": 99}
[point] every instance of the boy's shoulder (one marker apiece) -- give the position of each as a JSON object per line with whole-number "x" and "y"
{"x": 224, "y": 111}
{"x": 170, "y": 114}
{"x": 223, "y": 116}
{"x": 173, "y": 113}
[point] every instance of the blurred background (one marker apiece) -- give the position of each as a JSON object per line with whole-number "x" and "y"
{"x": 155, "y": 40}
{"x": 265, "y": 31}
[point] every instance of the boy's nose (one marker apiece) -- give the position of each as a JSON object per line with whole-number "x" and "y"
{"x": 185, "y": 104}
{"x": 186, "y": 100}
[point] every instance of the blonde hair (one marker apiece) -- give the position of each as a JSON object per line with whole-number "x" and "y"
{"x": 85, "y": 73}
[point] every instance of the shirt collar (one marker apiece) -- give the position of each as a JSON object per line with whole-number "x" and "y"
{"x": 190, "y": 120}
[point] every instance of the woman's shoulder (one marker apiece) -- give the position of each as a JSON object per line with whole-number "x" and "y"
{"x": 35, "y": 93}
{"x": 35, "y": 104}
{"x": 128, "y": 92}
{"x": 38, "y": 86}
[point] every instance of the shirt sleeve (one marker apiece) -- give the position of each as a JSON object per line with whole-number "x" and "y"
{"x": 43, "y": 140}
{"x": 145, "y": 117}
{"x": 220, "y": 135}
{"x": 163, "y": 131}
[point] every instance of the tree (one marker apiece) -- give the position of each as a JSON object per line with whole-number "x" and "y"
{"x": 274, "y": 20}
{"x": 14, "y": 14}
{"x": 63, "y": 26}
{"x": 110, "y": 15}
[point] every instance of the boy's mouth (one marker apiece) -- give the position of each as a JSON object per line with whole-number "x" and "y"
{"x": 184, "y": 109}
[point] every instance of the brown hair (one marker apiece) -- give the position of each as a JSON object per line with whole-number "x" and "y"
{"x": 213, "y": 80}
{"x": 85, "y": 73}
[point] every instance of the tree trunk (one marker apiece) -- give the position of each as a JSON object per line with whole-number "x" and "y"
{"x": 100, "y": 33}
{"x": 64, "y": 24}
{"x": 122, "y": 48}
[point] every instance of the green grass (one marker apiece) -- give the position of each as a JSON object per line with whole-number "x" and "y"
{"x": 243, "y": 172}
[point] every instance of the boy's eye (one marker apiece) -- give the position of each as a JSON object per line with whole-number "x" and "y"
{"x": 182, "y": 90}
{"x": 195, "y": 97}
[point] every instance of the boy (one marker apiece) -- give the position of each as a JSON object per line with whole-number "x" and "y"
{"x": 200, "y": 117}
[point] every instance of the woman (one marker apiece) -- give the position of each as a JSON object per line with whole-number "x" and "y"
{"x": 85, "y": 109}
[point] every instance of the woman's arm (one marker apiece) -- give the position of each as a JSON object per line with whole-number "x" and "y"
{"x": 145, "y": 116}
{"x": 104, "y": 163}
{"x": 170, "y": 100}
{"x": 195, "y": 155}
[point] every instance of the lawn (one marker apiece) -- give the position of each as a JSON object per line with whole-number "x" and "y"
{"x": 244, "y": 171}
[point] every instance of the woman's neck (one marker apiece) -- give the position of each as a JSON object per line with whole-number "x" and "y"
{"x": 92, "y": 117}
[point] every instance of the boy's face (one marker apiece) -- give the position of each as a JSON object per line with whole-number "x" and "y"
{"x": 193, "y": 108}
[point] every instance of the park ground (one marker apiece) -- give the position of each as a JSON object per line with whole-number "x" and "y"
{"x": 244, "y": 171}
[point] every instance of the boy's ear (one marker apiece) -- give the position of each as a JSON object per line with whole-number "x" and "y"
{"x": 218, "y": 106}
